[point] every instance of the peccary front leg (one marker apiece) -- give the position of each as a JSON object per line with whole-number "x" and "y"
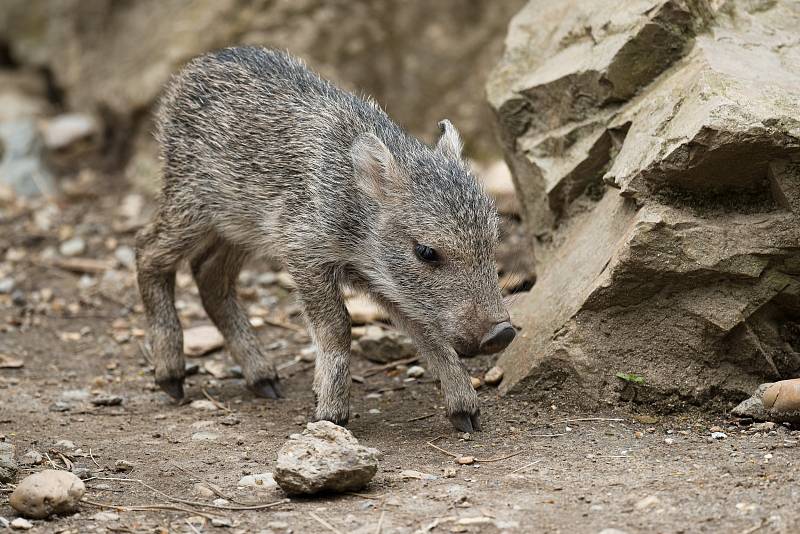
{"x": 216, "y": 271}
{"x": 157, "y": 254}
{"x": 329, "y": 325}
{"x": 460, "y": 398}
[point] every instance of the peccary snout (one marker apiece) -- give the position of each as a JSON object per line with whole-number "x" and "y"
{"x": 497, "y": 338}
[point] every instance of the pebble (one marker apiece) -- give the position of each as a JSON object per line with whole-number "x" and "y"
{"x": 47, "y": 492}
{"x": 201, "y": 490}
{"x": 31, "y": 458}
{"x": 325, "y": 457}
{"x": 105, "y": 516}
{"x": 718, "y": 435}
{"x": 449, "y": 472}
{"x": 200, "y": 340}
{"x": 8, "y": 466}
{"x": 123, "y": 466}
{"x": 6, "y": 285}
{"x": 493, "y": 376}
{"x": 203, "y": 404}
{"x": 222, "y": 522}
{"x": 219, "y": 501}
{"x": 230, "y": 420}
{"x": 107, "y": 400}
{"x": 647, "y": 502}
{"x": 21, "y": 523}
{"x": 669, "y": 441}
{"x": 262, "y": 480}
{"x": 415, "y": 371}
{"x": 126, "y": 256}
{"x": 64, "y": 444}
{"x": 205, "y": 436}
{"x": 72, "y": 247}
{"x": 476, "y": 382}
{"x": 67, "y": 128}
{"x": 465, "y": 460}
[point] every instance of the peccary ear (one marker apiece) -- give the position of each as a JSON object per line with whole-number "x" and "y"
{"x": 450, "y": 142}
{"x": 375, "y": 168}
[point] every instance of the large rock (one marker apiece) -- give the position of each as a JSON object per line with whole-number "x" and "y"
{"x": 325, "y": 457}
{"x": 47, "y": 493}
{"x": 656, "y": 148}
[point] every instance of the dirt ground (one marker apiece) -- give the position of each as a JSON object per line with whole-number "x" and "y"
{"x": 79, "y": 336}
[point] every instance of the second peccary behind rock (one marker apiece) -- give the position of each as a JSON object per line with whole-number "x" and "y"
{"x": 262, "y": 157}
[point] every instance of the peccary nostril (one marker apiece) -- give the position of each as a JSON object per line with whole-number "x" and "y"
{"x": 498, "y": 338}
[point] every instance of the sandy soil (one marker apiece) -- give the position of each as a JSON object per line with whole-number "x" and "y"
{"x": 79, "y": 337}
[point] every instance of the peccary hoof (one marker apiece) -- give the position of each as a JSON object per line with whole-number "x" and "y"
{"x": 267, "y": 388}
{"x": 172, "y": 387}
{"x": 464, "y": 422}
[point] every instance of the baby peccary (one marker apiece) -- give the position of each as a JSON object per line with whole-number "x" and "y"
{"x": 262, "y": 157}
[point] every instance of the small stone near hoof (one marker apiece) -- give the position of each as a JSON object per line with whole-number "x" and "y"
{"x": 415, "y": 371}
{"x": 21, "y": 523}
{"x": 476, "y": 382}
{"x": 325, "y": 457}
{"x": 493, "y": 376}
{"x": 46, "y": 493}
{"x": 465, "y": 460}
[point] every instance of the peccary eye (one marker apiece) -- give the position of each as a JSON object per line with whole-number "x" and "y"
{"x": 426, "y": 254}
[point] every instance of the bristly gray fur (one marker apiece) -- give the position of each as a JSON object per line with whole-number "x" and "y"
{"x": 263, "y": 157}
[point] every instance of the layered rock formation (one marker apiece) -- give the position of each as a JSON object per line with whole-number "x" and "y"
{"x": 656, "y": 149}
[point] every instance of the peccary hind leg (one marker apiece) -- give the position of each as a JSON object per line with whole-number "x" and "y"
{"x": 329, "y": 325}
{"x": 216, "y": 270}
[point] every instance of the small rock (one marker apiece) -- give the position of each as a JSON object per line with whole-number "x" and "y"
{"x": 763, "y": 427}
{"x": 411, "y": 473}
{"x": 782, "y": 401}
{"x": 47, "y": 492}
{"x": 647, "y": 502}
{"x": 7, "y": 362}
{"x": 105, "y": 516}
{"x": 219, "y": 501}
{"x": 646, "y": 419}
{"x": 493, "y": 376}
{"x": 31, "y": 458}
{"x": 123, "y": 466}
{"x": 476, "y": 382}
{"x": 718, "y": 435}
{"x": 201, "y": 490}
{"x": 21, "y": 523}
{"x": 325, "y": 457}
{"x": 200, "y": 340}
{"x": 6, "y": 285}
{"x": 203, "y": 404}
{"x": 63, "y": 130}
{"x": 263, "y": 480}
{"x": 107, "y": 400}
{"x": 465, "y": 460}
{"x": 8, "y": 466}
{"x": 230, "y": 420}
{"x": 669, "y": 441}
{"x": 222, "y": 522}
{"x": 381, "y": 345}
{"x": 72, "y": 247}
{"x": 126, "y": 256}
{"x": 449, "y": 472}
{"x": 205, "y": 436}
{"x": 415, "y": 371}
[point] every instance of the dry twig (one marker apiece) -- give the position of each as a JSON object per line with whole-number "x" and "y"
{"x": 324, "y": 523}
{"x": 420, "y": 418}
{"x": 518, "y": 469}
{"x": 93, "y": 460}
{"x": 215, "y": 402}
{"x": 379, "y": 528}
{"x": 388, "y": 366}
